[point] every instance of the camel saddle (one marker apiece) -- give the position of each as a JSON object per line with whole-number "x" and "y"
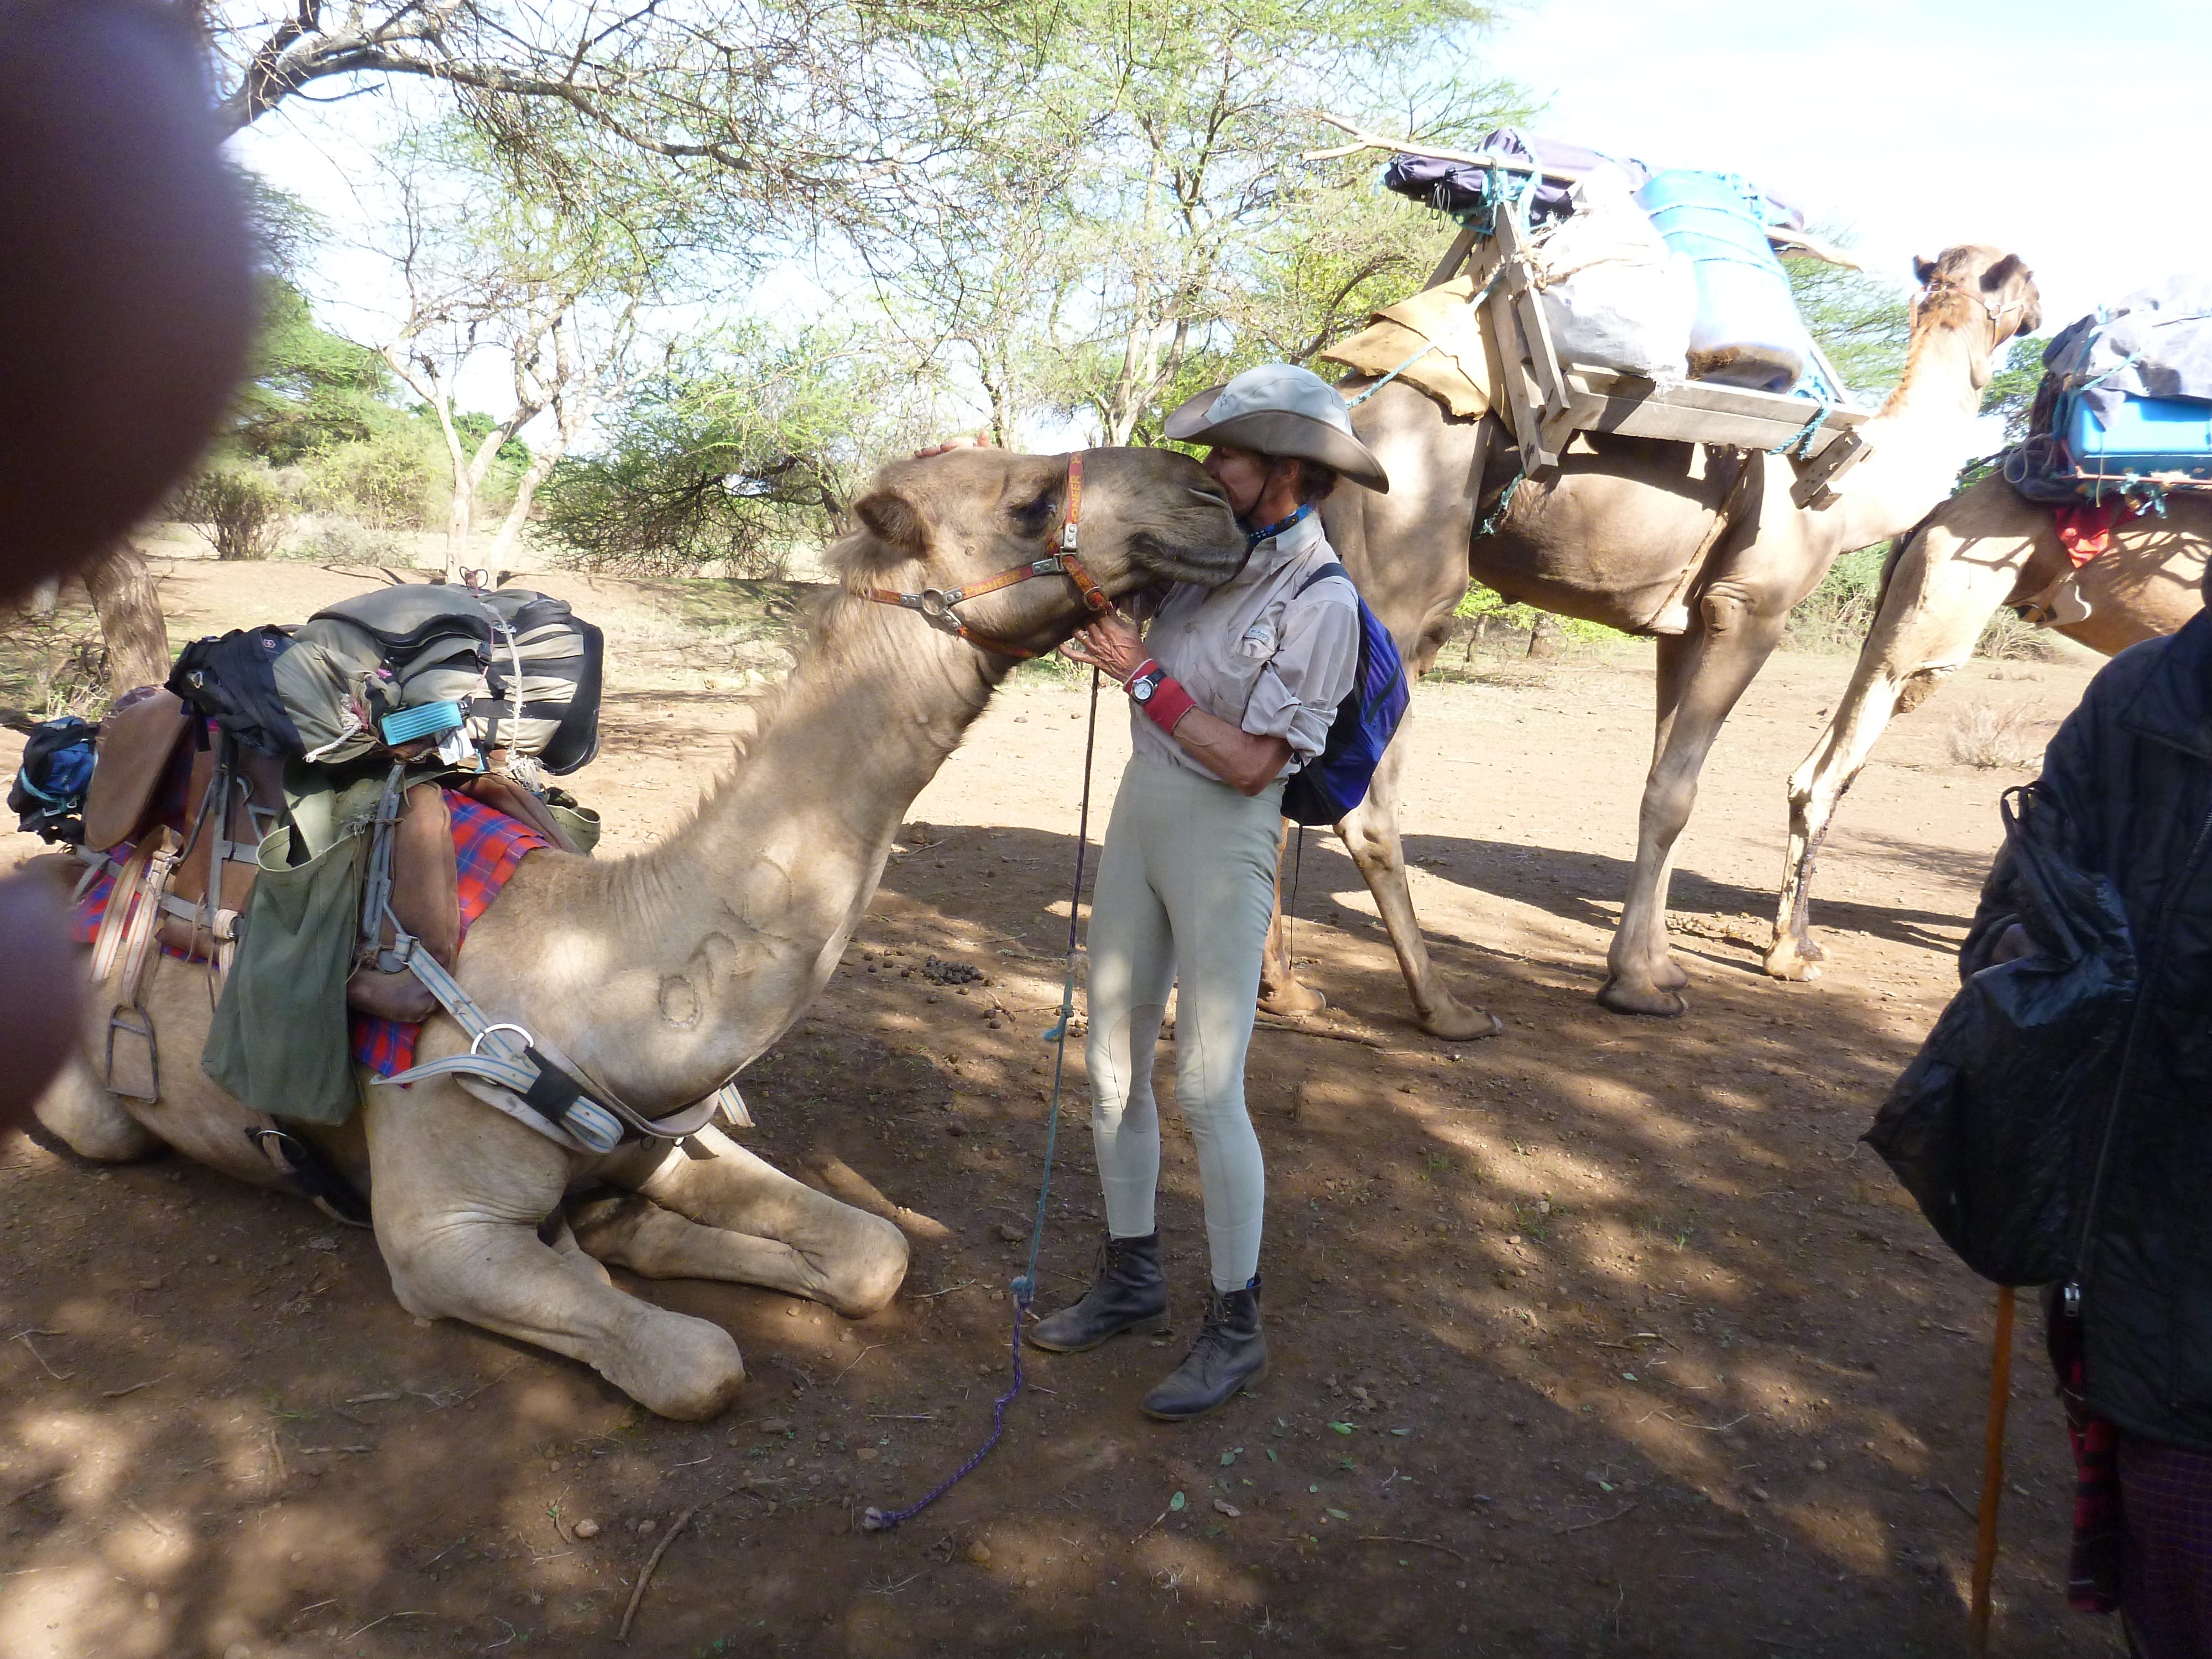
{"x": 154, "y": 758}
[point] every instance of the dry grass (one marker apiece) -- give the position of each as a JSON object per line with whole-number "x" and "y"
{"x": 1984, "y": 735}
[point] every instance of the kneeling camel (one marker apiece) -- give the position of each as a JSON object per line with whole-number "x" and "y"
{"x": 665, "y": 974}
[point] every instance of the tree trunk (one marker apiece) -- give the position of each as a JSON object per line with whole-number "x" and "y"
{"x": 129, "y": 604}
{"x": 1544, "y": 634}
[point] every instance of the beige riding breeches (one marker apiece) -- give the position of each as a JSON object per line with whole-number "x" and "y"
{"x": 1184, "y": 895}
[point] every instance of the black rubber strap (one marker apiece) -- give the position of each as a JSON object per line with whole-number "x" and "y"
{"x": 553, "y": 1092}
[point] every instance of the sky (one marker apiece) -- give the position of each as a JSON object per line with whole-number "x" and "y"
{"x": 2072, "y": 135}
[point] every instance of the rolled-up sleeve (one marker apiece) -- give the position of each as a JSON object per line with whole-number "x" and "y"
{"x": 1312, "y": 672}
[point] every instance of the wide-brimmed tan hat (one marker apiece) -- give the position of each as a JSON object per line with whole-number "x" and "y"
{"x": 1279, "y": 409}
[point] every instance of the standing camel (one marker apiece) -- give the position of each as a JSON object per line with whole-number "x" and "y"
{"x": 1983, "y": 548}
{"x": 665, "y": 974}
{"x": 1699, "y": 545}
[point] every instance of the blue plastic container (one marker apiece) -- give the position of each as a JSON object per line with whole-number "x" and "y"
{"x": 2146, "y": 436}
{"x": 428, "y": 719}
{"x": 1747, "y": 331}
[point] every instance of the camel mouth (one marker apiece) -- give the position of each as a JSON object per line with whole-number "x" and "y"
{"x": 1205, "y": 564}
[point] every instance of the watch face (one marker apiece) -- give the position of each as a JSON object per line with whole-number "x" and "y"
{"x": 1142, "y": 691}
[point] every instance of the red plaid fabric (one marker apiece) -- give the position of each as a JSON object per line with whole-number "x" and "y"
{"x": 2093, "y": 1563}
{"x": 488, "y": 844}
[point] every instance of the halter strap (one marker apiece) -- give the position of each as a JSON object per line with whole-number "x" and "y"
{"x": 935, "y": 605}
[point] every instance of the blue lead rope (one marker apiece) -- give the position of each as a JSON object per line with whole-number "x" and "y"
{"x": 1024, "y": 1287}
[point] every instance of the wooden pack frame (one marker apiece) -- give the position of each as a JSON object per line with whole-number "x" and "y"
{"x": 1547, "y": 404}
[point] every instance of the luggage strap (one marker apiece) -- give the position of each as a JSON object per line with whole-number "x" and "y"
{"x": 507, "y": 1066}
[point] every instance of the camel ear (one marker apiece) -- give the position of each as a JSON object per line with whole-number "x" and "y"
{"x": 2002, "y": 272}
{"x": 1923, "y": 270}
{"x": 895, "y": 524}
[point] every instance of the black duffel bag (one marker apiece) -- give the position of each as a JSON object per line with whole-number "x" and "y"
{"x": 1994, "y": 1127}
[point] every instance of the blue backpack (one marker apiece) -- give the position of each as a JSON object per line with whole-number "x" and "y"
{"x": 1335, "y": 780}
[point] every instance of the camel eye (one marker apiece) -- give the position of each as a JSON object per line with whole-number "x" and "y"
{"x": 1033, "y": 516}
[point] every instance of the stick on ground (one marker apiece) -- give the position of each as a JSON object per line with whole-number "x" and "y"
{"x": 637, "y": 1594}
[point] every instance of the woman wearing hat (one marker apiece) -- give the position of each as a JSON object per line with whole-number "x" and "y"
{"x": 1232, "y": 688}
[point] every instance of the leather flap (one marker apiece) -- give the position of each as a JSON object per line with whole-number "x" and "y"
{"x": 133, "y": 752}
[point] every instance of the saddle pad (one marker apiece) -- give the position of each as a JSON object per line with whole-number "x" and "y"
{"x": 1461, "y": 372}
{"x": 488, "y": 844}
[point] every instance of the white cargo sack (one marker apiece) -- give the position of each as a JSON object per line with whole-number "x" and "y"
{"x": 1615, "y": 295}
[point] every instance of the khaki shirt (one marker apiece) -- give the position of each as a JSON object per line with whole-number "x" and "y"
{"x": 1256, "y": 652}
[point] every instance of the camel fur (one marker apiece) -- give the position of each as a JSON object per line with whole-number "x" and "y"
{"x": 1983, "y": 548}
{"x": 666, "y": 973}
{"x": 1695, "y": 543}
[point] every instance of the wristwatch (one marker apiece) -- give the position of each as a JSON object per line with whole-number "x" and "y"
{"x": 1145, "y": 681}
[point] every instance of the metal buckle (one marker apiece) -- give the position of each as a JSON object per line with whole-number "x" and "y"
{"x": 475, "y": 1044}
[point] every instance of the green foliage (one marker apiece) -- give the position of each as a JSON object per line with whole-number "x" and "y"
{"x": 1481, "y": 602}
{"x": 1836, "y": 615}
{"x": 395, "y": 478}
{"x": 2011, "y": 390}
{"x": 1128, "y": 216}
{"x": 744, "y": 455}
{"x": 310, "y": 389}
{"x": 238, "y": 507}
{"x": 1863, "y": 322}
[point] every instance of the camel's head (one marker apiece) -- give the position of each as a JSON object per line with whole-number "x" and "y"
{"x": 954, "y": 521}
{"x": 1971, "y": 281}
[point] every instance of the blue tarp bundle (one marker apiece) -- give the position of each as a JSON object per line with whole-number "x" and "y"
{"x": 2157, "y": 342}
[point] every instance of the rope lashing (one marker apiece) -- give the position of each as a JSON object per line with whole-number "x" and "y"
{"x": 1354, "y": 401}
{"x": 1474, "y": 299}
{"x": 1800, "y": 443}
{"x": 1497, "y": 513}
{"x": 1024, "y": 1286}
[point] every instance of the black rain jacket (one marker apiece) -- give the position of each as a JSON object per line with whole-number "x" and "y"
{"x": 2131, "y": 772}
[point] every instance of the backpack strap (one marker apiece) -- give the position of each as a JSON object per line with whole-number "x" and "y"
{"x": 1332, "y": 569}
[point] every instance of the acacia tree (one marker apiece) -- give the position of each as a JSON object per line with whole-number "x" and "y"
{"x": 563, "y": 290}
{"x": 1130, "y": 208}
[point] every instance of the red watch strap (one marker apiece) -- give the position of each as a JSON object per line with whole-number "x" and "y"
{"x": 1168, "y": 703}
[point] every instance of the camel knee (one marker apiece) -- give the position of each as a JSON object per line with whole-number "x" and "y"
{"x": 89, "y": 1120}
{"x": 1919, "y": 687}
{"x": 866, "y": 1273}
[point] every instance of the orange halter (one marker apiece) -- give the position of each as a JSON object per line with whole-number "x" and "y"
{"x": 935, "y": 605}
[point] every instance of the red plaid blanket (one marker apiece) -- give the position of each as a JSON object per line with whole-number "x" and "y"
{"x": 488, "y": 844}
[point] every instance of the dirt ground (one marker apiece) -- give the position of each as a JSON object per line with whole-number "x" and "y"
{"x": 1602, "y": 1337}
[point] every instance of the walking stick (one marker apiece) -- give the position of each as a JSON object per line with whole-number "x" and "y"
{"x": 1986, "y": 1544}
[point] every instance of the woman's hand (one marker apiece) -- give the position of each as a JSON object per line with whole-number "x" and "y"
{"x": 1112, "y": 645}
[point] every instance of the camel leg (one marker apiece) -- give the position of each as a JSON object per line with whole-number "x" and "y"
{"x": 458, "y": 1193}
{"x": 1281, "y": 992}
{"x": 1935, "y": 604}
{"x": 1701, "y": 674}
{"x": 90, "y": 1120}
{"x": 1370, "y": 835}
{"x": 736, "y": 1217}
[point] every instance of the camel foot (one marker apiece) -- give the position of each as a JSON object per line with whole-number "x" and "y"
{"x": 690, "y": 1370}
{"x": 1670, "y": 975}
{"x": 1454, "y": 1022}
{"x": 1624, "y": 998}
{"x": 1795, "y": 957}
{"x": 1290, "y": 1001}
